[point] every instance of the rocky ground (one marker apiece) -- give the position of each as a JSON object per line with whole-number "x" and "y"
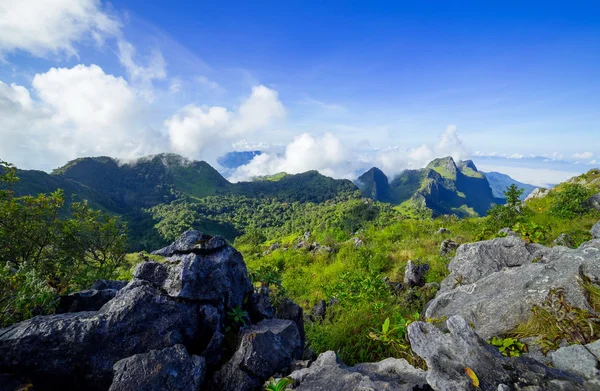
{"x": 171, "y": 328}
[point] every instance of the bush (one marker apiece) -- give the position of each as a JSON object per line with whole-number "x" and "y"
{"x": 569, "y": 201}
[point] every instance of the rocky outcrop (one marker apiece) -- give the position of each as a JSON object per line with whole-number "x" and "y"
{"x": 158, "y": 370}
{"x": 414, "y": 275}
{"x": 78, "y": 350}
{"x": 199, "y": 269}
{"x": 596, "y": 231}
{"x": 163, "y": 330}
{"x": 537, "y": 193}
{"x": 593, "y": 202}
{"x": 494, "y": 284}
{"x": 450, "y": 355}
{"x": 289, "y": 310}
{"x": 328, "y": 372}
{"x": 318, "y": 312}
{"x": 447, "y": 247}
{"x": 263, "y": 350}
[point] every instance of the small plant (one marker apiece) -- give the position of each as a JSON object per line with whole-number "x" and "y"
{"x": 395, "y": 335}
{"x": 278, "y": 385}
{"x": 471, "y": 375}
{"x": 458, "y": 281}
{"x": 238, "y": 316}
{"x": 531, "y": 232}
{"x": 569, "y": 202}
{"x": 509, "y": 347}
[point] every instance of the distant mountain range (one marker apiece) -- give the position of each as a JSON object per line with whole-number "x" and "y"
{"x": 444, "y": 187}
{"x": 499, "y": 182}
{"x": 127, "y": 188}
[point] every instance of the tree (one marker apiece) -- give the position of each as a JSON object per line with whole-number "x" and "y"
{"x": 46, "y": 248}
{"x": 513, "y": 195}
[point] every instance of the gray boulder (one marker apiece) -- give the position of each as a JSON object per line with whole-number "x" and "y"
{"x": 593, "y": 202}
{"x": 507, "y": 232}
{"x": 414, "y": 275}
{"x": 563, "y": 240}
{"x": 328, "y": 372}
{"x": 319, "y": 311}
{"x": 89, "y": 300}
{"x": 78, "y": 350}
{"x": 447, "y": 247}
{"x": 159, "y": 370}
{"x": 448, "y": 355}
{"x": 442, "y": 231}
{"x": 263, "y": 350}
{"x": 494, "y": 284}
{"x": 596, "y": 230}
{"x": 578, "y": 360}
{"x": 259, "y": 305}
{"x": 288, "y": 310}
{"x": 357, "y": 242}
{"x": 200, "y": 269}
{"x": 192, "y": 242}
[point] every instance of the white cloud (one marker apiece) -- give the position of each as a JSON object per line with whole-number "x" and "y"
{"x": 142, "y": 75}
{"x": 394, "y": 160}
{"x": 205, "y": 132}
{"x": 326, "y": 154}
{"x": 583, "y": 155}
{"x": 536, "y": 176}
{"x": 51, "y": 27}
{"x": 81, "y": 111}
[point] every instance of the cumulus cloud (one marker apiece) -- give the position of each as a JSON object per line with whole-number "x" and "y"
{"x": 45, "y": 28}
{"x": 326, "y": 154}
{"x": 583, "y": 155}
{"x": 394, "y": 160}
{"x": 81, "y": 111}
{"x": 205, "y": 132}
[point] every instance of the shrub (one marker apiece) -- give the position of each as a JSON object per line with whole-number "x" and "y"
{"x": 569, "y": 201}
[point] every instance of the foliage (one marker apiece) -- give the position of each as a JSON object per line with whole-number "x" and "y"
{"x": 531, "y": 232}
{"x": 238, "y": 317}
{"x": 509, "y": 347}
{"x": 47, "y": 248}
{"x": 471, "y": 375}
{"x": 569, "y": 201}
{"x": 395, "y": 335}
{"x": 278, "y": 385}
{"x": 556, "y": 320}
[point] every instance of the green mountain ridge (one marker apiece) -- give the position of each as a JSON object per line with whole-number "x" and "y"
{"x": 443, "y": 186}
{"x": 499, "y": 182}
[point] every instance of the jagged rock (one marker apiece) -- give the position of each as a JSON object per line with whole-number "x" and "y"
{"x": 447, "y": 247}
{"x": 358, "y": 242}
{"x": 209, "y": 271}
{"x": 596, "y": 231}
{"x": 507, "y": 232}
{"x": 414, "y": 275}
{"x": 448, "y": 355}
{"x": 578, "y": 360}
{"x": 211, "y": 334}
{"x": 274, "y": 246}
{"x": 289, "y": 310}
{"x": 259, "y": 305}
{"x": 494, "y": 284}
{"x": 594, "y": 348}
{"x": 563, "y": 240}
{"x": 192, "y": 242}
{"x": 442, "y": 231}
{"x": 109, "y": 284}
{"x": 158, "y": 370}
{"x": 263, "y": 350}
{"x": 89, "y": 300}
{"x": 78, "y": 350}
{"x": 306, "y": 236}
{"x": 328, "y": 372}
{"x": 537, "y": 193}
{"x": 318, "y": 312}
{"x": 593, "y": 202}
{"x": 474, "y": 261}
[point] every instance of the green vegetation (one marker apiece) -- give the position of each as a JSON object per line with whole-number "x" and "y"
{"x": 278, "y": 385}
{"x": 48, "y": 249}
{"x": 509, "y": 347}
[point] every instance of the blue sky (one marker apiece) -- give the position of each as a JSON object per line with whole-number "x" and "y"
{"x": 334, "y": 86}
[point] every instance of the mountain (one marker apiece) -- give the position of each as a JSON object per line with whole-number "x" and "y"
{"x": 126, "y": 188}
{"x": 444, "y": 187}
{"x": 499, "y": 182}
